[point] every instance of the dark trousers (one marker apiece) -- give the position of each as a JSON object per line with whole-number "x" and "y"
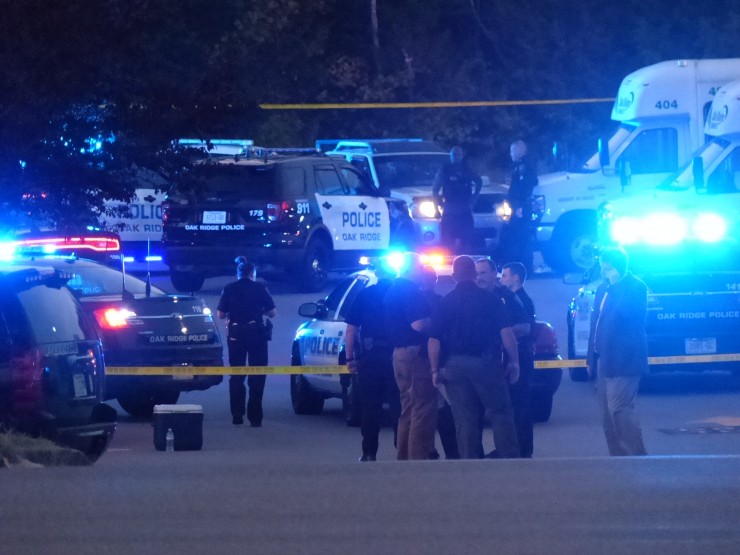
{"x": 376, "y": 384}
{"x": 238, "y": 351}
{"x": 458, "y": 231}
{"x": 516, "y": 243}
{"x": 446, "y": 430}
{"x": 521, "y": 401}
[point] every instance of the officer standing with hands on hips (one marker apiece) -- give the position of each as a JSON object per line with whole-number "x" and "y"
{"x": 243, "y": 303}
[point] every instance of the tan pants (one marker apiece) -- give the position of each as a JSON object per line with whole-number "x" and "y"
{"x": 418, "y": 421}
{"x": 621, "y": 425}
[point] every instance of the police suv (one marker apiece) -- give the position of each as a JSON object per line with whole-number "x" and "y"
{"x": 294, "y": 210}
{"x": 405, "y": 169}
{"x": 320, "y": 342}
{"x": 683, "y": 240}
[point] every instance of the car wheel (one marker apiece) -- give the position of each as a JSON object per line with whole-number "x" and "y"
{"x": 572, "y": 247}
{"x": 303, "y": 398}
{"x": 541, "y": 404}
{"x": 141, "y": 405}
{"x": 313, "y": 271}
{"x": 186, "y": 282}
{"x": 351, "y": 403}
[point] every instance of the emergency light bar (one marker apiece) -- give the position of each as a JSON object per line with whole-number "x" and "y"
{"x": 49, "y": 245}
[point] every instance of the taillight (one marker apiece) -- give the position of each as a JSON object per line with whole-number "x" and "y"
{"x": 276, "y": 212}
{"x": 166, "y": 207}
{"x": 113, "y": 318}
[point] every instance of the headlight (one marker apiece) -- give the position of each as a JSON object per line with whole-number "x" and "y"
{"x": 503, "y": 211}
{"x": 426, "y": 208}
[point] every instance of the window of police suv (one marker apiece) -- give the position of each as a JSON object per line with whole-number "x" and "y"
{"x": 53, "y": 315}
{"x": 233, "y": 182}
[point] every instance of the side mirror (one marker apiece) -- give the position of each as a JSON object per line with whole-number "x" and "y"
{"x": 697, "y": 171}
{"x": 309, "y": 310}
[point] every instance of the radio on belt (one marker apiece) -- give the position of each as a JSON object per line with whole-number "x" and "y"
{"x": 186, "y": 423}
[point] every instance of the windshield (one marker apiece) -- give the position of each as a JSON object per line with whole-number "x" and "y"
{"x": 408, "y": 170}
{"x": 100, "y": 281}
{"x": 593, "y": 164}
{"x": 54, "y": 316}
{"x": 684, "y": 178}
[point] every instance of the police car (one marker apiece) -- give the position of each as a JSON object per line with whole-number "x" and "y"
{"x": 294, "y": 210}
{"x": 51, "y": 361}
{"x": 140, "y": 325}
{"x": 405, "y": 169}
{"x": 320, "y": 341}
{"x": 683, "y": 240}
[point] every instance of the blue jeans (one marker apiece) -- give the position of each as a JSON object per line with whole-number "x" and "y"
{"x": 471, "y": 381}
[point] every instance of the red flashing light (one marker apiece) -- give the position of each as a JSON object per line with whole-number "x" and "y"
{"x": 98, "y": 244}
{"x": 113, "y": 318}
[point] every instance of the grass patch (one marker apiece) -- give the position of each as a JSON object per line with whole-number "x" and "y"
{"x": 21, "y": 449}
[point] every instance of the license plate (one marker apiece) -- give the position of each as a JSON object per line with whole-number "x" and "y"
{"x": 703, "y": 346}
{"x": 214, "y": 217}
{"x": 80, "y": 385}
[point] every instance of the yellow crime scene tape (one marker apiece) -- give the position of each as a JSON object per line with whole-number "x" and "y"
{"x": 406, "y": 105}
{"x": 219, "y": 370}
{"x": 340, "y": 369}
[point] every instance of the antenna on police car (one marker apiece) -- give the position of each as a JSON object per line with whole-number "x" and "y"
{"x": 148, "y": 288}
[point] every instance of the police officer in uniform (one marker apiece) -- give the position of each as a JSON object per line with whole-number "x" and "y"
{"x": 369, "y": 353}
{"x": 517, "y": 237}
{"x": 244, "y": 303}
{"x": 460, "y": 187}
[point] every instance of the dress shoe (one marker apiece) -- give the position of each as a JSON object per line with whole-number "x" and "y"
{"x": 237, "y": 420}
{"x": 367, "y": 458}
{"x": 255, "y": 424}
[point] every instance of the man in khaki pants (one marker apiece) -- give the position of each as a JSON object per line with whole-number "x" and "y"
{"x": 408, "y": 318}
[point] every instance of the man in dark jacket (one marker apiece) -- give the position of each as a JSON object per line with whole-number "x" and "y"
{"x": 460, "y": 187}
{"x": 617, "y": 351}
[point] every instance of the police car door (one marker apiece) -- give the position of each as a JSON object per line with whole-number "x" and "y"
{"x": 357, "y": 221}
{"x": 323, "y": 339}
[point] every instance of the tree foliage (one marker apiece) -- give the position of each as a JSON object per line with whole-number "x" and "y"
{"x": 90, "y": 91}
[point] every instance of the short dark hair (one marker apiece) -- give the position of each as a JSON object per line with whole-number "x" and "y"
{"x": 490, "y": 262}
{"x": 244, "y": 268}
{"x": 518, "y": 269}
{"x": 617, "y": 257}
{"x": 463, "y": 269}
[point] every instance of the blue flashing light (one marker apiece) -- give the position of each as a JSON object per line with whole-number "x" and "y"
{"x": 709, "y": 228}
{"x": 7, "y": 251}
{"x": 128, "y": 258}
{"x": 397, "y": 261}
{"x": 666, "y": 229}
{"x": 153, "y": 258}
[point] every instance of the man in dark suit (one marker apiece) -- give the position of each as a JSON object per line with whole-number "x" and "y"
{"x": 617, "y": 351}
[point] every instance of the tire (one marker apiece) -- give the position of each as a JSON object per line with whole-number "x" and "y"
{"x": 303, "y": 398}
{"x": 572, "y": 246}
{"x": 541, "y": 404}
{"x": 186, "y": 282}
{"x": 141, "y": 405}
{"x": 578, "y": 374}
{"x": 313, "y": 273}
{"x": 351, "y": 403}
{"x": 545, "y": 383}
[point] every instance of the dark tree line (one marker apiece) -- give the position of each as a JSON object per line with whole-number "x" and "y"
{"x": 91, "y": 90}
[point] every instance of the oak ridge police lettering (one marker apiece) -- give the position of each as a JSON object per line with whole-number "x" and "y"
{"x": 361, "y": 220}
{"x": 213, "y": 227}
{"x": 699, "y": 315}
